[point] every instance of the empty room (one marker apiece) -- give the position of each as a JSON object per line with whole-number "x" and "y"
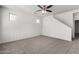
{"x": 39, "y": 29}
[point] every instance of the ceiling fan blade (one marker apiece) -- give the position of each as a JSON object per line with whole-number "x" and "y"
{"x": 48, "y": 10}
{"x": 49, "y": 6}
{"x": 40, "y": 6}
{"x": 38, "y": 10}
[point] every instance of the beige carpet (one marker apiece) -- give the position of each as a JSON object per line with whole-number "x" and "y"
{"x": 40, "y": 45}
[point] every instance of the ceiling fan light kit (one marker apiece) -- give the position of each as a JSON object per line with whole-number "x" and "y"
{"x": 43, "y": 11}
{"x": 44, "y": 8}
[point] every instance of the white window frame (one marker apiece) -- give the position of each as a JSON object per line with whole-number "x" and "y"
{"x": 12, "y": 16}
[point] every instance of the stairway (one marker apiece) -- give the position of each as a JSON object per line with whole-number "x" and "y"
{"x": 52, "y": 27}
{"x": 60, "y": 25}
{"x": 66, "y": 17}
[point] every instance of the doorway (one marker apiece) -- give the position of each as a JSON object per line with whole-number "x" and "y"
{"x": 76, "y": 28}
{"x": 76, "y": 24}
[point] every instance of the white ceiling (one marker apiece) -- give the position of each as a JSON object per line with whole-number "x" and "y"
{"x": 63, "y": 8}
{"x": 32, "y": 8}
{"x": 27, "y": 8}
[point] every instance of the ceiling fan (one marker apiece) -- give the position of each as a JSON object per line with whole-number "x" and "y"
{"x": 44, "y": 8}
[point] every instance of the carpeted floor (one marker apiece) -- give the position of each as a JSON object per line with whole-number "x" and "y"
{"x": 40, "y": 45}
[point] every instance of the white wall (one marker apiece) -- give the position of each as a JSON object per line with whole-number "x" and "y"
{"x": 0, "y": 25}
{"x": 24, "y": 26}
{"x": 54, "y": 28}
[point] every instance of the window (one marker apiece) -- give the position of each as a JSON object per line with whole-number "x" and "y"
{"x": 12, "y": 16}
{"x": 37, "y": 21}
